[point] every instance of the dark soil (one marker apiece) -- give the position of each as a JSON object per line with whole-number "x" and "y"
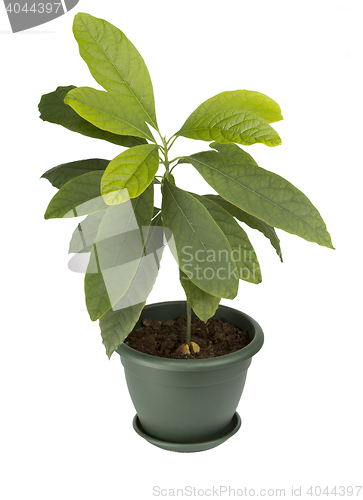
{"x": 215, "y": 338}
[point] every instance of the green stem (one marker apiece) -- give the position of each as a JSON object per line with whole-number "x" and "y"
{"x": 189, "y": 322}
{"x": 161, "y": 137}
{"x": 166, "y": 162}
{"x": 165, "y": 152}
{"x": 174, "y": 137}
{"x": 96, "y": 256}
{"x": 176, "y": 159}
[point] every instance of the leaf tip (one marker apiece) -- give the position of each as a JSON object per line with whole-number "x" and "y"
{"x": 115, "y": 197}
{"x": 67, "y": 98}
{"x": 94, "y": 315}
{"x": 328, "y": 242}
{"x": 277, "y": 119}
{"x": 80, "y": 16}
{"x": 110, "y": 349}
{"x": 232, "y": 294}
{"x": 48, "y": 213}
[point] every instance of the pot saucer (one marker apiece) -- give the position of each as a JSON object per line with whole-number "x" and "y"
{"x": 189, "y": 447}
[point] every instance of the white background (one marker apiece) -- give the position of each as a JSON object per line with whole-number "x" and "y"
{"x": 66, "y": 416}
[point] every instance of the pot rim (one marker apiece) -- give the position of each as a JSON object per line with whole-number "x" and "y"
{"x": 190, "y": 365}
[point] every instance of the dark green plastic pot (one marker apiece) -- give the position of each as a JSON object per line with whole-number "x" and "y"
{"x": 188, "y": 405}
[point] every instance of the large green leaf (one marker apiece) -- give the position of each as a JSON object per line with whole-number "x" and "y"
{"x": 250, "y": 220}
{"x": 60, "y": 175}
{"x": 97, "y": 299}
{"x": 85, "y": 233}
{"x": 241, "y": 100}
{"x": 130, "y": 173}
{"x": 54, "y": 110}
{"x": 79, "y": 196}
{"x": 234, "y": 174}
{"x": 115, "y": 255}
{"x": 203, "y": 304}
{"x": 115, "y": 63}
{"x": 105, "y": 111}
{"x": 201, "y": 249}
{"x": 243, "y": 252}
{"x": 147, "y": 270}
{"x": 111, "y": 268}
{"x": 231, "y": 125}
{"x": 119, "y": 321}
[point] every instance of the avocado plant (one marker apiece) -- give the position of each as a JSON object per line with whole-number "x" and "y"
{"x": 123, "y": 234}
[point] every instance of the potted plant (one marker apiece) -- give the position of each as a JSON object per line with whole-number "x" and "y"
{"x": 183, "y": 402}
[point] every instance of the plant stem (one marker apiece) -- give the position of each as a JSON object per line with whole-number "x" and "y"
{"x": 173, "y": 139}
{"x": 189, "y": 322}
{"x": 166, "y": 162}
{"x": 165, "y": 149}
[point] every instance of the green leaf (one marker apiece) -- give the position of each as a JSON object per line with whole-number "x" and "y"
{"x": 241, "y": 100}
{"x": 234, "y": 174}
{"x": 85, "y": 233}
{"x": 97, "y": 299}
{"x": 84, "y": 237}
{"x": 105, "y": 111}
{"x": 119, "y": 321}
{"x": 231, "y": 125}
{"x": 112, "y": 267}
{"x": 243, "y": 252}
{"x": 117, "y": 325}
{"x": 54, "y": 110}
{"x": 203, "y": 304}
{"x": 60, "y": 175}
{"x": 143, "y": 206}
{"x": 79, "y": 196}
{"x": 115, "y": 255}
{"x": 201, "y": 249}
{"x": 115, "y": 63}
{"x": 147, "y": 270}
{"x": 130, "y": 173}
{"x": 250, "y": 220}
